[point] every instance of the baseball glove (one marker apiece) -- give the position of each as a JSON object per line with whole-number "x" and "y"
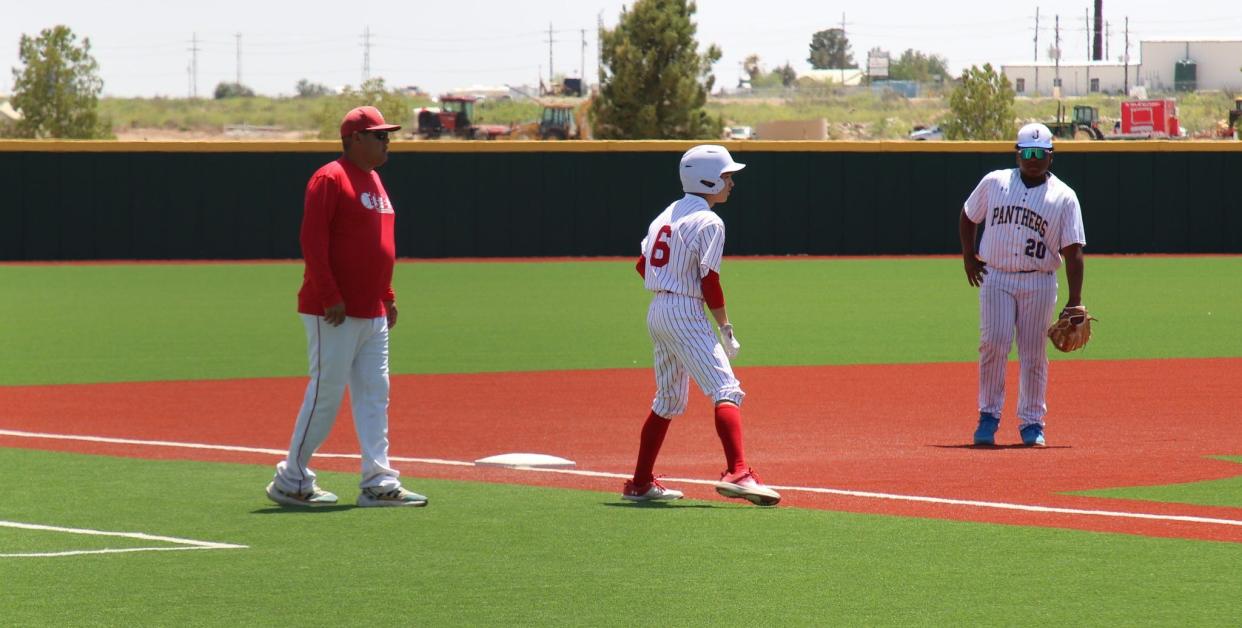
{"x": 1072, "y": 330}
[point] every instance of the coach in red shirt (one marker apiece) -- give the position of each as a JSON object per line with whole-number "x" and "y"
{"x": 347, "y": 306}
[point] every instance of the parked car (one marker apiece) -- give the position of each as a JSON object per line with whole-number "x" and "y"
{"x": 927, "y": 133}
{"x": 740, "y": 133}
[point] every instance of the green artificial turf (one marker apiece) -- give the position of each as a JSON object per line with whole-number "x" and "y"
{"x": 102, "y": 323}
{"x": 1226, "y": 492}
{"x": 498, "y": 555}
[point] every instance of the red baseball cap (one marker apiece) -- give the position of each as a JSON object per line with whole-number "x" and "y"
{"x": 365, "y": 119}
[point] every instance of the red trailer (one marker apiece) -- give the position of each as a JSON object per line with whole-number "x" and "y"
{"x": 1151, "y": 117}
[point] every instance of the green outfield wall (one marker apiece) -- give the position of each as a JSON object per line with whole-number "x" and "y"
{"x": 243, "y": 200}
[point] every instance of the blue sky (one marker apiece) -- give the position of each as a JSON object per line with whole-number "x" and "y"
{"x": 143, "y": 47}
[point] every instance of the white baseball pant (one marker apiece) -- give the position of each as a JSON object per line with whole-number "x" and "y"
{"x": 686, "y": 346}
{"x": 355, "y": 352}
{"x": 1010, "y": 301}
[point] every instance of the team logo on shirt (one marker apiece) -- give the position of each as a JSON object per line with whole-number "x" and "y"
{"x": 375, "y": 202}
{"x": 1019, "y": 215}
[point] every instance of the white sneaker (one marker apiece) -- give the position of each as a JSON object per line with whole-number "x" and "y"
{"x": 314, "y": 497}
{"x": 391, "y": 497}
{"x": 746, "y": 485}
{"x": 649, "y": 493}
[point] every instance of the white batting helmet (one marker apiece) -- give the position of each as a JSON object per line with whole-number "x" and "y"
{"x": 702, "y": 166}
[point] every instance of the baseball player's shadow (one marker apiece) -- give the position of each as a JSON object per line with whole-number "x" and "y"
{"x": 1009, "y": 446}
{"x": 301, "y": 510}
{"x": 657, "y": 504}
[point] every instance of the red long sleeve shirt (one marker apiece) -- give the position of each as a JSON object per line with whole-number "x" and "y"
{"x": 347, "y": 242}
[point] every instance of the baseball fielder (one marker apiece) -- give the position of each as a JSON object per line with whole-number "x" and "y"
{"x": 347, "y": 307}
{"x": 680, "y": 265}
{"x": 1031, "y": 221}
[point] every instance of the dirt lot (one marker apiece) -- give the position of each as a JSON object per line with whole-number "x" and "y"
{"x": 227, "y": 135}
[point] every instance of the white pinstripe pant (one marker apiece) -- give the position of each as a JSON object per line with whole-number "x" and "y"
{"x": 685, "y": 346}
{"x": 1023, "y": 302}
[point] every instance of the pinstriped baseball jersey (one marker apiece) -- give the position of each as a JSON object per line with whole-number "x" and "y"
{"x": 683, "y": 243}
{"x": 1024, "y": 228}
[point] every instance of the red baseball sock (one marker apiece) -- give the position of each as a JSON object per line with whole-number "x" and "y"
{"x": 652, "y": 439}
{"x": 729, "y": 428}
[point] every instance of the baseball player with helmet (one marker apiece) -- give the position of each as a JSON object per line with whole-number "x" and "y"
{"x": 1031, "y": 221}
{"x": 347, "y": 306}
{"x": 680, "y": 265}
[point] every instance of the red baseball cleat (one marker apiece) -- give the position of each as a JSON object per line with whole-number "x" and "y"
{"x": 649, "y": 493}
{"x": 746, "y": 485}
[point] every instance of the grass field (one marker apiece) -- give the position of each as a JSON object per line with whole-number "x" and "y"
{"x": 502, "y": 554}
{"x": 864, "y": 115}
{"x": 148, "y": 322}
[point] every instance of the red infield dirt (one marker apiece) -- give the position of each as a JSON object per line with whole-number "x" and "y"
{"x": 902, "y": 431}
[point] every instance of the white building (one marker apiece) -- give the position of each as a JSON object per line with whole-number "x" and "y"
{"x": 837, "y": 76}
{"x": 1216, "y": 64}
{"x": 1076, "y": 79}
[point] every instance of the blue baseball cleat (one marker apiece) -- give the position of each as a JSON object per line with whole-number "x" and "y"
{"x": 985, "y": 434}
{"x": 1033, "y": 435}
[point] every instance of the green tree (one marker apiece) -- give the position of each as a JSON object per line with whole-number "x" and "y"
{"x": 395, "y": 106}
{"x": 787, "y": 74}
{"x": 916, "y": 66}
{"x": 58, "y": 88}
{"x": 653, "y": 81}
{"x": 752, "y": 67}
{"x": 307, "y": 89}
{"x": 232, "y": 90}
{"x": 831, "y": 49}
{"x": 981, "y": 106}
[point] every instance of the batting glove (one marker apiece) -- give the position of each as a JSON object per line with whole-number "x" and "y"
{"x": 729, "y": 341}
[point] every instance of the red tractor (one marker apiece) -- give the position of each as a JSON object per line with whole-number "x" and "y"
{"x": 455, "y": 118}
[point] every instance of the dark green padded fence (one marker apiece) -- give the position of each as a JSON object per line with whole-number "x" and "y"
{"x": 870, "y": 199}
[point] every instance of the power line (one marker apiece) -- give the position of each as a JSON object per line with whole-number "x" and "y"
{"x": 238, "y": 36}
{"x": 550, "y": 42}
{"x": 194, "y": 66}
{"x": 366, "y": 54}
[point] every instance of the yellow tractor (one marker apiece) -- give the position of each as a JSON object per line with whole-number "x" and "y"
{"x": 565, "y": 120}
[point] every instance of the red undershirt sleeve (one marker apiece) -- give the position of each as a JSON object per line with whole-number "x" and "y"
{"x": 641, "y": 266}
{"x": 713, "y": 294}
{"x": 320, "y": 206}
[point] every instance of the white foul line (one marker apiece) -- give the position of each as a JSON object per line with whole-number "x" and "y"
{"x": 603, "y": 474}
{"x": 185, "y": 544}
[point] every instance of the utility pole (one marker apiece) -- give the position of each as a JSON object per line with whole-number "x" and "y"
{"x": 843, "y": 39}
{"x": 1125, "y": 57}
{"x": 1086, "y": 26}
{"x": 366, "y": 54}
{"x": 238, "y": 36}
{"x": 1108, "y": 36}
{"x": 582, "y": 62}
{"x": 1056, "y": 76}
{"x": 599, "y": 46}
{"x": 550, "y": 41}
{"x": 194, "y": 66}
{"x": 1036, "y": 50}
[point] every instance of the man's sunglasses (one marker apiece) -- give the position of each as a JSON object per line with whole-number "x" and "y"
{"x": 379, "y": 135}
{"x": 1033, "y": 153}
